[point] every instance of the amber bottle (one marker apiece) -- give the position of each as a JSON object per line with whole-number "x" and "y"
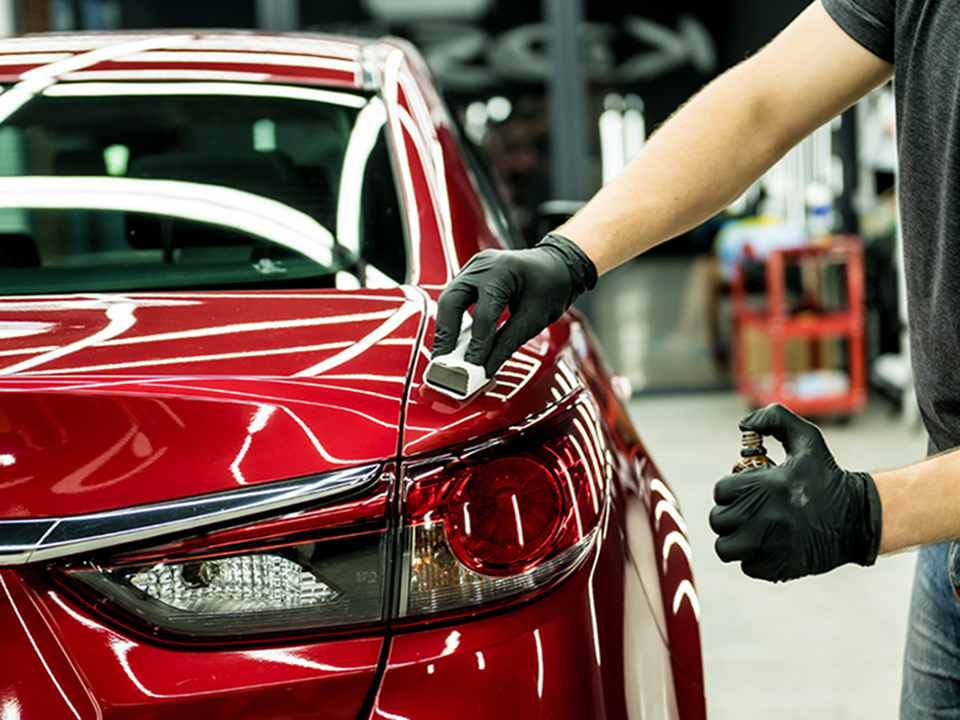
{"x": 752, "y": 453}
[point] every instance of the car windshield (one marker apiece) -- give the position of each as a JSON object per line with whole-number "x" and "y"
{"x": 142, "y": 186}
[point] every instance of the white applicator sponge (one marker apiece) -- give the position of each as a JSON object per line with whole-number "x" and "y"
{"x": 452, "y": 375}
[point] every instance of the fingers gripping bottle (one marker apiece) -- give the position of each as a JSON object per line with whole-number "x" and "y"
{"x": 752, "y": 453}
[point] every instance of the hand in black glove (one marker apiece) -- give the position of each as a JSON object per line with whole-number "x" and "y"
{"x": 537, "y": 284}
{"x": 805, "y": 517}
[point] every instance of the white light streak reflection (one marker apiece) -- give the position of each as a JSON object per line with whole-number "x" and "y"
{"x": 427, "y": 123}
{"x": 686, "y": 590}
{"x": 121, "y": 317}
{"x": 29, "y": 634}
{"x": 134, "y": 75}
{"x": 658, "y": 486}
{"x": 71, "y": 43}
{"x": 396, "y": 379}
{"x": 54, "y": 303}
{"x": 157, "y": 362}
{"x": 586, "y": 463}
{"x": 363, "y": 139}
{"x": 7, "y": 460}
{"x": 481, "y": 661}
{"x": 201, "y": 202}
{"x": 390, "y": 716}
{"x": 235, "y": 89}
{"x": 672, "y": 540}
{"x": 301, "y": 45}
{"x": 112, "y": 51}
{"x": 121, "y": 649}
{"x": 400, "y": 316}
{"x": 287, "y": 657}
{"x": 248, "y": 58}
{"x": 85, "y": 621}
{"x": 568, "y": 482}
{"x": 505, "y": 380}
{"x": 39, "y": 78}
{"x": 593, "y": 609}
{"x": 516, "y": 515}
{"x": 391, "y": 67}
{"x": 260, "y": 418}
{"x": 317, "y": 445}
{"x": 539, "y": 644}
{"x": 33, "y": 58}
{"x": 24, "y": 328}
{"x": 245, "y": 396}
{"x": 27, "y": 350}
{"x": 451, "y": 644}
{"x": 664, "y": 506}
{"x": 269, "y": 325}
{"x": 257, "y": 423}
{"x": 10, "y": 709}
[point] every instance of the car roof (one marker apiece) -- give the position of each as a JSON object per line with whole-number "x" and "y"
{"x": 250, "y": 56}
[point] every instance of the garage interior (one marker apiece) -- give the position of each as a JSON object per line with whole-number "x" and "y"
{"x": 557, "y": 96}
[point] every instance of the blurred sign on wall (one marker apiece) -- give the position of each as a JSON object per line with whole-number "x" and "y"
{"x": 409, "y": 10}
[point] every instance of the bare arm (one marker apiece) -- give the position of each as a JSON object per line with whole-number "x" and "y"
{"x": 726, "y": 137}
{"x": 921, "y": 502}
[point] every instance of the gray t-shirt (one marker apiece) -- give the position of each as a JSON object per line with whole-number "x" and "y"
{"x": 922, "y": 39}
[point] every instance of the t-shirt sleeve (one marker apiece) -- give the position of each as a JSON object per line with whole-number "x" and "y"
{"x": 869, "y": 22}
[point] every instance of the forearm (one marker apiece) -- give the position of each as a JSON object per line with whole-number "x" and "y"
{"x": 725, "y": 138}
{"x": 692, "y": 168}
{"x": 921, "y": 502}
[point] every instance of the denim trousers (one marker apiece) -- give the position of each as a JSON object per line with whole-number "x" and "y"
{"x": 931, "y": 663}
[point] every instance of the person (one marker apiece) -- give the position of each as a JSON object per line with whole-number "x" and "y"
{"x": 808, "y": 515}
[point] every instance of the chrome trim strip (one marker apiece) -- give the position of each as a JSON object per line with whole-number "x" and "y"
{"x": 35, "y": 540}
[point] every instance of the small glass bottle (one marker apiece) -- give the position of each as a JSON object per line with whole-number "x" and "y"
{"x": 752, "y": 453}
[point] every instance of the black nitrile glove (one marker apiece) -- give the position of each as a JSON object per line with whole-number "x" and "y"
{"x": 537, "y": 284}
{"x": 805, "y": 517}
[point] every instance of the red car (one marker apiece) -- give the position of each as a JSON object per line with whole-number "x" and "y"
{"x": 225, "y": 491}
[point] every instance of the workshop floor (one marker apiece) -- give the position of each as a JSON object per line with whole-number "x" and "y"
{"x": 827, "y": 647}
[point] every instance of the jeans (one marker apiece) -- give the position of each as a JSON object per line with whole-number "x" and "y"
{"x": 931, "y": 663}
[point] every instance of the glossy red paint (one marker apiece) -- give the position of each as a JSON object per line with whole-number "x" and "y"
{"x": 540, "y": 375}
{"x": 463, "y": 221}
{"x": 589, "y": 649}
{"x": 70, "y": 665}
{"x": 194, "y": 55}
{"x": 656, "y": 533}
{"x": 195, "y": 393}
{"x": 272, "y": 380}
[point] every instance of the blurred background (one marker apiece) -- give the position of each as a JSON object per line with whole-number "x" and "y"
{"x": 793, "y": 294}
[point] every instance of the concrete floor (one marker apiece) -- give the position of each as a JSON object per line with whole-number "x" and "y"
{"x": 827, "y": 647}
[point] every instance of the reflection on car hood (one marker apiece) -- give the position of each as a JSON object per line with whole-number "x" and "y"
{"x": 110, "y": 401}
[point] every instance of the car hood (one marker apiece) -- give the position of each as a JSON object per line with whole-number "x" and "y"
{"x": 114, "y": 401}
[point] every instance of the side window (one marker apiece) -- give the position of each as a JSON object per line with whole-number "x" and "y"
{"x": 382, "y": 232}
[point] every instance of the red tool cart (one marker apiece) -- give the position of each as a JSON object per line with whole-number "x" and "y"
{"x": 800, "y": 341}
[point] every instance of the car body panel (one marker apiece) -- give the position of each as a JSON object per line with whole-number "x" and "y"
{"x": 69, "y": 664}
{"x": 265, "y": 397}
{"x": 540, "y": 375}
{"x": 238, "y": 56}
{"x": 588, "y": 649}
